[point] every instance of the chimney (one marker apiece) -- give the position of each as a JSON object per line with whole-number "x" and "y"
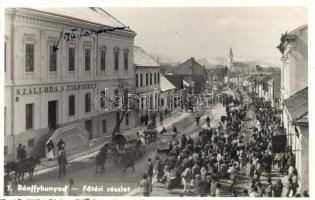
{"x": 192, "y": 58}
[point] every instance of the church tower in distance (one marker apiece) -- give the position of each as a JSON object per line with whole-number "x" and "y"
{"x": 230, "y": 59}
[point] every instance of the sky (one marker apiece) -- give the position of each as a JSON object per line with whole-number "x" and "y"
{"x": 181, "y": 33}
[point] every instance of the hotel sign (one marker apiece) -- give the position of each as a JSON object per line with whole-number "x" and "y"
{"x": 54, "y": 89}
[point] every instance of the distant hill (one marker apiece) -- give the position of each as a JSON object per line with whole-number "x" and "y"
{"x": 164, "y": 60}
{"x": 242, "y": 62}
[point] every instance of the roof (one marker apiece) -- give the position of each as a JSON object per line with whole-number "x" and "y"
{"x": 176, "y": 80}
{"x": 295, "y": 31}
{"x": 297, "y": 105}
{"x": 189, "y": 67}
{"x": 143, "y": 59}
{"x": 92, "y": 15}
{"x": 165, "y": 84}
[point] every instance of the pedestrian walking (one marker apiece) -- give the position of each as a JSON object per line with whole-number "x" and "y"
{"x": 61, "y": 144}
{"x": 50, "y": 150}
{"x": 197, "y": 118}
{"x": 187, "y": 178}
{"x": 145, "y": 186}
{"x": 233, "y": 174}
{"x": 150, "y": 172}
{"x": 62, "y": 162}
{"x": 146, "y": 120}
{"x": 101, "y": 159}
{"x": 158, "y": 168}
{"x": 174, "y": 129}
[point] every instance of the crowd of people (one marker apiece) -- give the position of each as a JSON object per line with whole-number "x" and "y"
{"x": 227, "y": 152}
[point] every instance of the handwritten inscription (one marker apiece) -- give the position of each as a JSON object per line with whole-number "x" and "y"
{"x": 76, "y": 33}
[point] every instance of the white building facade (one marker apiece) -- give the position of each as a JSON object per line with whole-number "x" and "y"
{"x": 46, "y": 89}
{"x": 147, "y": 82}
{"x": 294, "y": 98}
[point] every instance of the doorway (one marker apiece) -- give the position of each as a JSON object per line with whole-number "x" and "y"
{"x": 89, "y": 128}
{"x": 52, "y": 114}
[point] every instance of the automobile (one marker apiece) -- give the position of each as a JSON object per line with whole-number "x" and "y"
{"x": 165, "y": 142}
{"x": 150, "y": 133}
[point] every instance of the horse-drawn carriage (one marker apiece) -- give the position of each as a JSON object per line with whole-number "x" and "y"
{"x": 123, "y": 144}
{"x": 21, "y": 167}
{"x": 150, "y": 133}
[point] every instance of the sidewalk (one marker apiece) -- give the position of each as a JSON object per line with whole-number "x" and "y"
{"x": 80, "y": 154}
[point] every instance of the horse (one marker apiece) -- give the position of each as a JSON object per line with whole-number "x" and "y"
{"x": 24, "y": 166}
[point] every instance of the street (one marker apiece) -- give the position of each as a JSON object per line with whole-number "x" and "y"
{"x": 113, "y": 182}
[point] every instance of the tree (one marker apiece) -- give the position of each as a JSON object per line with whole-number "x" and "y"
{"x": 121, "y": 95}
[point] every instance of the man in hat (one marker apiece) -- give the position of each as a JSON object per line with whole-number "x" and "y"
{"x": 62, "y": 162}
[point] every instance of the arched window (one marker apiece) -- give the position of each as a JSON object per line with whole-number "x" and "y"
{"x": 71, "y": 105}
{"x": 116, "y": 59}
{"x": 126, "y": 58}
{"x": 87, "y": 102}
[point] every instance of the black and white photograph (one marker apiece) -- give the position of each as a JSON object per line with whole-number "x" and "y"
{"x": 156, "y": 101}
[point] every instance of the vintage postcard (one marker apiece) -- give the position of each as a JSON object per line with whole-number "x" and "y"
{"x": 155, "y": 101}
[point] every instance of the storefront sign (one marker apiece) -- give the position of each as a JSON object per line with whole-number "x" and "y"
{"x": 54, "y": 89}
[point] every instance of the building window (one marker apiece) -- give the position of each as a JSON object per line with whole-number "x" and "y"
{"x": 103, "y": 59}
{"x": 141, "y": 80}
{"x": 116, "y": 59}
{"x": 87, "y": 102}
{"x": 29, "y": 57}
{"x": 29, "y": 115}
{"x": 87, "y": 59}
{"x": 5, "y": 56}
{"x": 137, "y": 84}
{"x": 146, "y": 79}
{"x": 104, "y": 126}
{"x": 71, "y": 105}
{"x": 52, "y": 59}
{"x": 126, "y": 52}
{"x": 150, "y": 78}
{"x": 71, "y": 59}
{"x": 127, "y": 119}
{"x": 30, "y": 143}
{"x": 158, "y": 78}
{"x": 154, "y": 78}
